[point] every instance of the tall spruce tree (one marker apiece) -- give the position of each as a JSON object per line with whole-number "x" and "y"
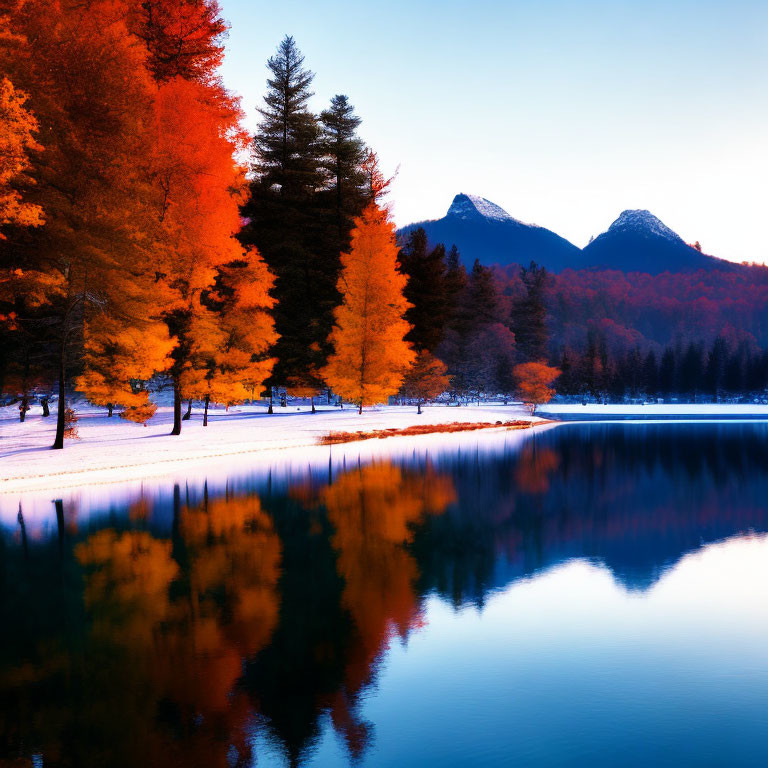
{"x": 529, "y": 315}
{"x": 343, "y": 155}
{"x": 478, "y": 349}
{"x": 426, "y": 290}
{"x": 285, "y": 221}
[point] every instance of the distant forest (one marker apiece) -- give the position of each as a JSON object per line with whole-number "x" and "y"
{"x": 697, "y": 336}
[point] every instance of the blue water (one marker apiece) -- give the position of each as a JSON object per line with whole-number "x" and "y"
{"x": 595, "y": 594}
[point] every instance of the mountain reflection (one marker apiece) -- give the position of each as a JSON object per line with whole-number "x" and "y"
{"x": 187, "y": 629}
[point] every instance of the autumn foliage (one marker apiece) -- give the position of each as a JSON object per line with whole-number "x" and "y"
{"x": 119, "y": 195}
{"x": 18, "y": 128}
{"x": 534, "y": 383}
{"x": 370, "y": 355}
{"x": 426, "y": 379}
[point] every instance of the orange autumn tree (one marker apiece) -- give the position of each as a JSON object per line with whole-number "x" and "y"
{"x": 370, "y": 356}
{"x": 426, "y": 379}
{"x": 228, "y": 360}
{"x": 92, "y": 97}
{"x": 375, "y": 511}
{"x": 17, "y": 139}
{"x": 198, "y": 136}
{"x": 118, "y": 358}
{"x": 534, "y": 382}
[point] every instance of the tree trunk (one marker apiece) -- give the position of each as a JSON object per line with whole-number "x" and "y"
{"x": 205, "y": 412}
{"x": 110, "y": 409}
{"x": 312, "y": 403}
{"x": 188, "y": 415}
{"x": 23, "y": 408}
{"x": 360, "y": 409}
{"x": 176, "y": 409}
{"x": 58, "y": 442}
{"x": 270, "y": 409}
{"x": 46, "y": 409}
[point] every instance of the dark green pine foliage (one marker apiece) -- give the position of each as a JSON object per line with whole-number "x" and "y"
{"x": 478, "y": 348}
{"x": 528, "y": 317}
{"x": 426, "y": 290}
{"x": 650, "y": 375}
{"x": 667, "y": 373}
{"x": 286, "y": 221}
{"x": 344, "y": 152}
{"x": 454, "y": 283}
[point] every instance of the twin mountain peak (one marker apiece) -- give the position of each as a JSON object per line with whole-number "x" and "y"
{"x": 636, "y": 242}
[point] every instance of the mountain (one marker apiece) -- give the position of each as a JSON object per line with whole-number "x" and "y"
{"x": 639, "y": 242}
{"x": 482, "y": 230}
{"x": 636, "y": 242}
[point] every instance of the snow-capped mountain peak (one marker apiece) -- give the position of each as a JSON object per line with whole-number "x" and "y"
{"x": 643, "y": 223}
{"x": 474, "y": 206}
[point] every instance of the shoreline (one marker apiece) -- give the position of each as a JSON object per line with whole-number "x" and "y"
{"x": 112, "y": 450}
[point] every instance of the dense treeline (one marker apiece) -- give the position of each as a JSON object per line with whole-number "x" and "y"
{"x": 699, "y": 336}
{"x": 137, "y": 250}
{"x": 614, "y": 336}
{"x": 693, "y": 372}
{"x": 124, "y": 265}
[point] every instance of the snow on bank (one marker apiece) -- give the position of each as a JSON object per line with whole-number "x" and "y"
{"x": 110, "y": 449}
{"x": 660, "y": 410}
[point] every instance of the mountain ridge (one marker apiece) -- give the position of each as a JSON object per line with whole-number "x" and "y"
{"x": 637, "y": 241}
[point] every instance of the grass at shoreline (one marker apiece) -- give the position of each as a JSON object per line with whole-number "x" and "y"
{"x": 334, "y": 438}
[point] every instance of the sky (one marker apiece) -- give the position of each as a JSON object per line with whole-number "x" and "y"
{"x": 562, "y": 112}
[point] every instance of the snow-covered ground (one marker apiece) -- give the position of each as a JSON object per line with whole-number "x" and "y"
{"x": 111, "y": 449}
{"x": 659, "y": 410}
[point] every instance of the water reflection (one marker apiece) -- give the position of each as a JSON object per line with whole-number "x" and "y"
{"x": 188, "y": 628}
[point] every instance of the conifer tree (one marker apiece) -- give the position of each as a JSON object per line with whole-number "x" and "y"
{"x": 478, "y": 348}
{"x": 650, "y": 375}
{"x": 370, "y": 356}
{"x": 286, "y": 224}
{"x": 343, "y": 154}
{"x": 529, "y": 314}
{"x": 426, "y": 290}
{"x": 667, "y": 373}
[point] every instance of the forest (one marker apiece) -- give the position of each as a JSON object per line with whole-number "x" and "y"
{"x": 148, "y": 242}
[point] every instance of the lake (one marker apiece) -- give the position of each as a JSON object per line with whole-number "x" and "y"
{"x": 586, "y": 595}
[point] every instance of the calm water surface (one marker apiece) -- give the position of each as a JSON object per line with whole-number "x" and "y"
{"x": 590, "y": 595}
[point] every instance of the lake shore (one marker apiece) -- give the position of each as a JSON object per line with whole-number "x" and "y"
{"x": 653, "y": 411}
{"x": 110, "y": 449}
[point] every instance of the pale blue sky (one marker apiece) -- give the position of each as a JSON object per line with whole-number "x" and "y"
{"x": 564, "y": 113}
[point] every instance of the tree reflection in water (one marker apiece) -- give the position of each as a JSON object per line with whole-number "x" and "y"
{"x": 257, "y": 616}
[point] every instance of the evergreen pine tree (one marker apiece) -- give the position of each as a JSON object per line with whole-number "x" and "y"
{"x": 529, "y": 315}
{"x": 285, "y": 221}
{"x": 650, "y": 375}
{"x": 667, "y": 373}
{"x": 425, "y": 290}
{"x": 343, "y": 155}
{"x": 715, "y": 370}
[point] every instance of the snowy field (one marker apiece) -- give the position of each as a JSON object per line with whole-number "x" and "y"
{"x": 111, "y": 449}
